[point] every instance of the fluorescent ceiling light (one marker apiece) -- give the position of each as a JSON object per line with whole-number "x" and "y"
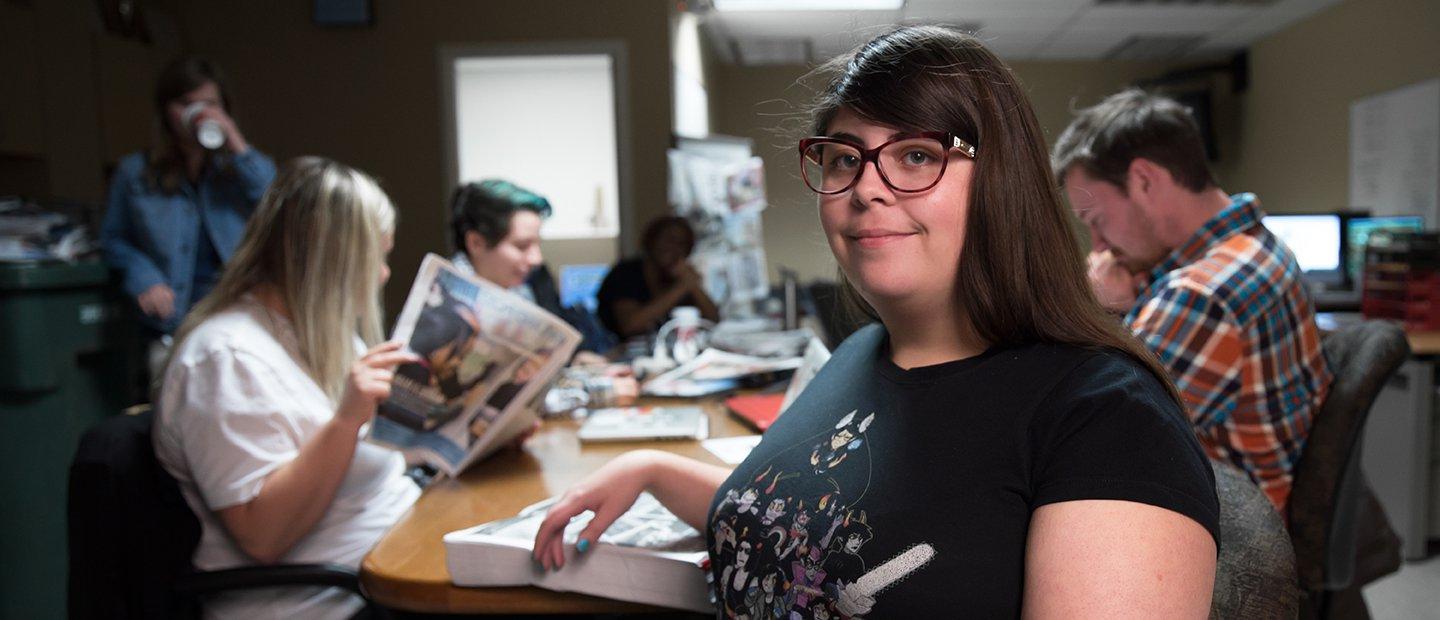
{"x": 808, "y": 5}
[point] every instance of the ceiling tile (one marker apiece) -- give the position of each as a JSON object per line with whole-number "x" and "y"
{"x": 1069, "y": 29}
{"x": 1160, "y": 19}
{"x": 1080, "y": 44}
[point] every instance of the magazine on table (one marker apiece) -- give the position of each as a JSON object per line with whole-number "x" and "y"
{"x": 487, "y": 357}
{"x": 644, "y": 424}
{"x": 647, "y": 556}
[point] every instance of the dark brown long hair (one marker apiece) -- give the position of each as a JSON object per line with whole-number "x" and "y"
{"x": 1021, "y": 276}
{"x": 164, "y": 165}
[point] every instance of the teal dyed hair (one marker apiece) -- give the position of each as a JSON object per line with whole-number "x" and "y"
{"x": 486, "y": 208}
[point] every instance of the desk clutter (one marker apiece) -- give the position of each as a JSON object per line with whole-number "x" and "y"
{"x": 1402, "y": 279}
{"x": 30, "y": 232}
{"x": 648, "y": 555}
{"x": 485, "y": 358}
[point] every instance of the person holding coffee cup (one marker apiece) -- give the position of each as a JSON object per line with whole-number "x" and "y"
{"x": 176, "y": 212}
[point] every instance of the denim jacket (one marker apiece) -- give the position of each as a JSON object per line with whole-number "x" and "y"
{"x": 150, "y": 237}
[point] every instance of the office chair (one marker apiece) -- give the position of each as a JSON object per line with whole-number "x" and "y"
{"x": 1341, "y": 535}
{"x": 131, "y": 536}
{"x": 822, "y": 300}
{"x": 1255, "y": 573}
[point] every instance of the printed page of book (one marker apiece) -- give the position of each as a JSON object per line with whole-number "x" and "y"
{"x": 486, "y": 354}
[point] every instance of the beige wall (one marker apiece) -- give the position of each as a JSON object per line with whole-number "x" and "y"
{"x": 766, "y": 104}
{"x": 1295, "y": 151}
{"x": 75, "y": 97}
{"x": 370, "y": 96}
{"x": 1286, "y": 138}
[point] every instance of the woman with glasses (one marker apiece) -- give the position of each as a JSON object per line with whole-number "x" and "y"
{"x": 995, "y": 444}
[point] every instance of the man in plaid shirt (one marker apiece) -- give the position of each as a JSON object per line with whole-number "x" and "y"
{"x": 1215, "y": 295}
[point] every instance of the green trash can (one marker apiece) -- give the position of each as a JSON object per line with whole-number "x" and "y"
{"x": 67, "y": 341}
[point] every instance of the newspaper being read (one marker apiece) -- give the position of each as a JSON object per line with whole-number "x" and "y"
{"x": 487, "y": 356}
{"x": 647, "y": 555}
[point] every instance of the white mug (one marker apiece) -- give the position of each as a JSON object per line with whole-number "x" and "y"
{"x": 208, "y": 132}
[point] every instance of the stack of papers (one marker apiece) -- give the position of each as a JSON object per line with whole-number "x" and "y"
{"x": 715, "y": 371}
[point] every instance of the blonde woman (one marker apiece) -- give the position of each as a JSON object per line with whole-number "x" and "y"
{"x": 269, "y": 385}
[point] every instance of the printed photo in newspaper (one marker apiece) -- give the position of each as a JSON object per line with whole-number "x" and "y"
{"x": 486, "y": 357}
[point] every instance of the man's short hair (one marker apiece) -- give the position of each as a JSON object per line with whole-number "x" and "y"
{"x": 1103, "y": 140}
{"x": 487, "y": 208}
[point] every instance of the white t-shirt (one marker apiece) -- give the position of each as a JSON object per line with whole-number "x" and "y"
{"x": 235, "y": 406}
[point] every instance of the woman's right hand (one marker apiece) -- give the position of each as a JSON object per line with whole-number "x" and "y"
{"x": 608, "y": 492}
{"x": 686, "y": 277}
{"x": 369, "y": 382}
{"x": 157, "y": 301}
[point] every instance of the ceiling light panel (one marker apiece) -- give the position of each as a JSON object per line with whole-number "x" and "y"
{"x": 807, "y": 5}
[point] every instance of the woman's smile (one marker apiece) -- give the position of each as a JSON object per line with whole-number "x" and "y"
{"x": 871, "y": 238}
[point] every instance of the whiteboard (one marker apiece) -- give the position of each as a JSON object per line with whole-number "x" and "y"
{"x": 1395, "y": 152}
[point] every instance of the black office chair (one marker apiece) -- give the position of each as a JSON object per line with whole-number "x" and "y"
{"x": 131, "y": 536}
{"x": 822, "y": 300}
{"x": 1255, "y": 573}
{"x": 1341, "y": 535}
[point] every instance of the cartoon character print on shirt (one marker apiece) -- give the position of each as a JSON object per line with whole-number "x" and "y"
{"x": 846, "y": 439}
{"x": 790, "y": 543}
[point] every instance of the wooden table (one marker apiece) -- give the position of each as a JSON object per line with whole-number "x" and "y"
{"x": 1423, "y": 343}
{"x": 406, "y": 569}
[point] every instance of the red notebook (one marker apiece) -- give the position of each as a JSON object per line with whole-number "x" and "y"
{"x": 756, "y": 410}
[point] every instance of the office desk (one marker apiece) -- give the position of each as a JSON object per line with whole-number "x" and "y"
{"x": 406, "y": 569}
{"x": 1424, "y": 343}
{"x": 1398, "y": 458}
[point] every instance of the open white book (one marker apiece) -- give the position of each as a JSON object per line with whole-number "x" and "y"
{"x": 647, "y": 556}
{"x": 487, "y": 358}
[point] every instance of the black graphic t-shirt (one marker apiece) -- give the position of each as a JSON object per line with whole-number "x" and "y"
{"x": 894, "y": 493}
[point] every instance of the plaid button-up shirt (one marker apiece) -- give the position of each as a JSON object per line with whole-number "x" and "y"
{"x": 1228, "y": 314}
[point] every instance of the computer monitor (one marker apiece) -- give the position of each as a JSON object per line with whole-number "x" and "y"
{"x": 1357, "y": 236}
{"x": 1316, "y": 241}
{"x": 579, "y": 285}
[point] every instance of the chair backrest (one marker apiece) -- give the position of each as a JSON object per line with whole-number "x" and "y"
{"x": 131, "y": 534}
{"x": 1329, "y": 495}
{"x": 822, "y": 299}
{"x": 1255, "y": 573}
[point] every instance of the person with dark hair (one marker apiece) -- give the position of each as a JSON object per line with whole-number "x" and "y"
{"x": 638, "y": 293}
{"x": 176, "y": 212}
{"x": 1198, "y": 278}
{"x": 496, "y": 229}
{"x": 495, "y": 225}
{"x": 1008, "y": 448}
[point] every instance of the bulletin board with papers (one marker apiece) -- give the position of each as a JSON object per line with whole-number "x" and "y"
{"x": 718, "y": 185}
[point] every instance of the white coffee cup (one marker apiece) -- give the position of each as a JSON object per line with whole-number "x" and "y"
{"x": 208, "y": 132}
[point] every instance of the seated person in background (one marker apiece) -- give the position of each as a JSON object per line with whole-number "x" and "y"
{"x": 496, "y": 226}
{"x": 175, "y": 214}
{"x": 269, "y": 384}
{"x": 638, "y": 293}
{"x": 1216, "y": 296}
{"x": 995, "y": 446}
